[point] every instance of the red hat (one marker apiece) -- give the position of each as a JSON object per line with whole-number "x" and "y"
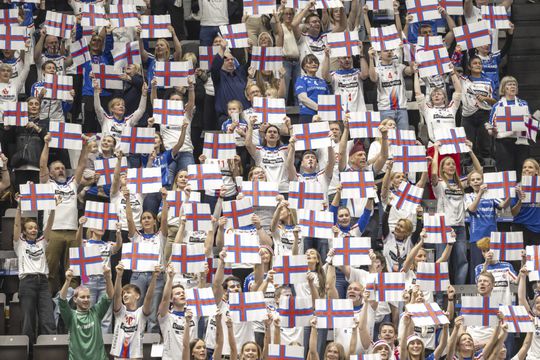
{"x": 358, "y": 146}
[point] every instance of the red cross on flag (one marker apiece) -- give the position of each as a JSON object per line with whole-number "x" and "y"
{"x": 452, "y": 140}
{"x": 453, "y": 7}
{"x": 330, "y": 107}
{"x": 364, "y": 124}
{"x": 261, "y": 193}
{"x": 379, "y": 4}
{"x": 506, "y": 246}
{"x": 176, "y": 200}
{"x": 144, "y": 180}
{"x": 510, "y": 119}
{"x": 306, "y": 195}
{"x": 430, "y": 42}
{"x": 532, "y": 124}
{"x": 58, "y": 87}
{"x": 100, "y": 215}
{"x": 409, "y": 159}
{"x": 169, "y": 112}
{"x": 173, "y": 73}
{"x": 427, "y": 314}
{"x": 473, "y": 35}
{"x": 353, "y": 251}
{"x": 198, "y": 216}
{"x": 357, "y": 185}
{"x": 310, "y": 136}
{"x": 386, "y": 286}
{"x": 436, "y": 229}
{"x": 407, "y": 197}
{"x": 206, "y": 56}
{"x": 267, "y": 58}
{"x": 432, "y": 276}
{"x": 530, "y": 186}
{"x": 269, "y": 110}
{"x": 12, "y": 37}
{"x": 201, "y": 301}
{"x": 122, "y": 16}
{"x": 518, "y": 319}
{"x": 316, "y": 224}
{"x": 496, "y": 16}
{"x": 188, "y": 258}
{"x": 479, "y": 310}
{"x": 533, "y": 262}
{"x": 236, "y": 35}
{"x": 343, "y": 44}
{"x": 204, "y": 177}
{"x": 137, "y": 140}
{"x": 125, "y": 54}
{"x": 58, "y": 24}
{"x": 65, "y": 135}
{"x": 219, "y": 146}
{"x": 285, "y": 352}
{"x": 80, "y": 52}
{"x": 155, "y": 26}
{"x": 402, "y": 137}
{"x": 108, "y": 76}
{"x": 239, "y": 212}
{"x": 36, "y": 197}
{"x": 259, "y": 7}
{"x": 433, "y": 62}
{"x": 385, "y": 38}
{"x": 295, "y": 311}
{"x": 334, "y": 313}
{"x": 290, "y": 269}
{"x": 423, "y": 10}
{"x": 328, "y": 4}
{"x": 248, "y": 306}
{"x": 86, "y": 261}
{"x": 10, "y": 17}
{"x": 15, "y": 114}
{"x": 140, "y": 256}
{"x": 105, "y": 169}
{"x": 93, "y": 15}
{"x": 500, "y": 185}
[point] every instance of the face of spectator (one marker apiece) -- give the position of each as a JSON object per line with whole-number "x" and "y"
{"x": 437, "y": 97}
{"x": 179, "y": 297}
{"x": 449, "y": 167}
{"x": 415, "y": 348}
{"x": 476, "y": 66}
{"x": 258, "y": 174}
{"x": 425, "y": 31}
{"x": 388, "y": 334}
{"x": 390, "y": 123}
{"x": 387, "y": 55}
{"x": 288, "y": 15}
{"x": 83, "y": 299}
{"x": 529, "y": 169}
{"x": 119, "y": 108}
{"x": 311, "y": 68}
{"x": 31, "y": 230}
{"x": 130, "y": 297}
{"x": 476, "y": 180}
{"x": 96, "y": 44}
{"x": 484, "y": 49}
{"x": 8, "y": 54}
{"x": 199, "y": 350}
{"x": 107, "y": 143}
{"x": 354, "y": 292}
{"x": 98, "y": 233}
{"x": 336, "y": 131}
{"x": 400, "y": 231}
{"x": 314, "y": 25}
{"x": 265, "y": 256}
{"x": 332, "y": 352}
{"x": 157, "y": 142}
{"x": 466, "y": 343}
{"x": 228, "y": 63}
{"x": 479, "y": 3}
{"x": 484, "y": 285}
{"x": 265, "y": 40}
{"x": 358, "y": 160}
{"x": 50, "y": 68}
{"x": 148, "y": 222}
{"x": 175, "y": 97}
{"x": 161, "y": 48}
{"x": 398, "y": 179}
{"x": 5, "y": 73}
{"x": 233, "y": 286}
{"x": 312, "y": 257}
{"x": 253, "y": 92}
{"x": 182, "y": 179}
{"x": 52, "y": 44}
{"x": 284, "y": 213}
{"x": 233, "y": 109}
{"x": 344, "y": 217}
{"x": 93, "y": 147}
{"x": 345, "y": 62}
{"x": 510, "y": 88}
{"x": 309, "y": 162}
{"x": 376, "y": 266}
{"x": 383, "y": 351}
{"x": 421, "y": 256}
{"x": 250, "y": 351}
{"x": 131, "y": 70}
{"x": 536, "y": 305}
{"x": 57, "y": 171}
{"x": 271, "y": 136}
{"x": 33, "y": 107}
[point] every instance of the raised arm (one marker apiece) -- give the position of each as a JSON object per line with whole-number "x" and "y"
{"x": 435, "y": 165}
{"x": 409, "y": 260}
{"x": 373, "y": 76}
{"x": 116, "y": 176}
{"x": 117, "y": 296}
{"x": 163, "y": 307}
{"x": 313, "y": 354}
{"x": 100, "y": 112}
{"x": 43, "y": 160}
{"x": 251, "y": 148}
{"x": 291, "y": 169}
{"x": 325, "y": 66}
{"x": 217, "y": 287}
{"x": 443, "y": 342}
{"x": 81, "y": 165}
{"x": 343, "y": 144}
{"x": 232, "y": 339}
{"x": 164, "y": 224}
{"x": 138, "y": 114}
{"x": 132, "y": 229}
{"x": 67, "y": 282}
{"x": 383, "y": 155}
{"x": 147, "y": 304}
{"x": 186, "y": 353}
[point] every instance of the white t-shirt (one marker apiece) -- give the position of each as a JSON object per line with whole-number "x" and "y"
{"x": 439, "y": 117}
{"x": 288, "y": 335}
{"x": 344, "y": 335}
{"x": 272, "y": 160}
{"x": 391, "y": 87}
{"x": 128, "y": 333}
{"x": 65, "y": 217}
{"x": 308, "y": 45}
{"x": 31, "y": 257}
{"x": 395, "y": 252}
{"x": 214, "y": 13}
{"x": 349, "y": 85}
{"x": 136, "y": 201}
{"x": 450, "y": 202}
{"x": 283, "y": 239}
{"x": 534, "y": 351}
{"x": 171, "y": 134}
{"x": 172, "y": 328}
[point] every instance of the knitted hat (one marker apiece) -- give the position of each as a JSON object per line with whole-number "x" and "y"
{"x": 358, "y": 146}
{"x": 412, "y": 338}
{"x": 380, "y": 343}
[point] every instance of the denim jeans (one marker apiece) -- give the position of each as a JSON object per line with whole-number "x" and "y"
{"x": 35, "y": 298}
{"x": 142, "y": 280}
{"x": 181, "y": 162}
{"x": 400, "y": 116}
{"x": 97, "y": 286}
{"x": 292, "y": 71}
{"x": 321, "y": 245}
{"x": 151, "y": 202}
{"x": 476, "y": 259}
{"x": 459, "y": 264}
{"x": 341, "y": 284}
{"x": 207, "y": 35}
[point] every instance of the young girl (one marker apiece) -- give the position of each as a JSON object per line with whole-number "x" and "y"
{"x": 308, "y": 88}
{"x": 285, "y": 231}
{"x": 343, "y": 219}
{"x": 333, "y": 351}
{"x": 526, "y": 215}
{"x": 196, "y": 349}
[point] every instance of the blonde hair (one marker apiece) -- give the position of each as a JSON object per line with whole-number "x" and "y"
{"x": 407, "y": 225}
{"x": 237, "y": 103}
{"x": 189, "y": 56}
{"x": 535, "y": 164}
{"x": 505, "y": 80}
{"x": 385, "y": 122}
{"x": 484, "y": 243}
{"x": 167, "y": 51}
{"x": 114, "y": 102}
{"x": 138, "y": 68}
{"x": 443, "y": 176}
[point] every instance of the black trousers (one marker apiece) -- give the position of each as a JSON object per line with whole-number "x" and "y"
{"x": 510, "y": 156}
{"x": 476, "y": 132}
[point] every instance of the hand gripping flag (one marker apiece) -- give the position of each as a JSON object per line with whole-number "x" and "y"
{"x": 144, "y": 180}
{"x": 409, "y": 159}
{"x": 269, "y": 110}
{"x": 436, "y": 229}
{"x": 334, "y": 313}
{"x": 496, "y": 16}
{"x": 430, "y": 43}
{"x": 86, "y": 261}
{"x": 236, "y": 35}
{"x": 510, "y": 118}
{"x": 427, "y": 314}
{"x": 473, "y": 35}
{"x": 65, "y": 135}
{"x": 453, "y": 7}
{"x": 433, "y": 62}
{"x": 15, "y": 114}
{"x": 239, "y": 212}
{"x": 432, "y": 276}
{"x": 105, "y": 169}
{"x": 500, "y": 185}
{"x": 137, "y": 140}
{"x": 295, "y": 311}
{"x": 261, "y": 193}
{"x": 206, "y": 56}
{"x": 59, "y": 24}
{"x": 423, "y": 10}
{"x": 407, "y": 197}
{"x": 453, "y": 141}
{"x": 385, "y": 38}
{"x": 479, "y": 310}
{"x": 518, "y": 319}
{"x": 343, "y": 44}
{"x": 311, "y": 136}
{"x": 533, "y": 262}
{"x": 173, "y": 73}
{"x": 36, "y": 197}
{"x": 108, "y": 76}
{"x": 330, "y": 107}
{"x": 100, "y": 215}
{"x": 357, "y": 185}
{"x": 402, "y": 137}
{"x": 530, "y": 186}
{"x": 267, "y": 58}
{"x": 353, "y": 251}
{"x": 316, "y": 224}
{"x": 259, "y": 7}
{"x": 140, "y": 256}
{"x": 242, "y": 248}
{"x": 248, "y": 306}
{"x": 198, "y": 216}
{"x": 364, "y": 124}
{"x": 201, "y": 301}
{"x": 125, "y": 54}
{"x": 204, "y": 177}
{"x": 188, "y": 258}
{"x": 306, "y": 195}
{"x": 219, "y": 146}
{"x": 387, "y": 286}
{"x": 155, "y": 26}
{"x": 80, "y": 52}
{"x": 58, "y": 87}
{"x": 285, "y": 352}
{"x": 506, "y": 246}
{"x": 12, "y": 37}
{"x": 379, "y": 4}
{"x": 122, "y": 16}
{"x": 93, "y": 16}
{"x": 169, "y": 112}
{"x": 290, "y": 269}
